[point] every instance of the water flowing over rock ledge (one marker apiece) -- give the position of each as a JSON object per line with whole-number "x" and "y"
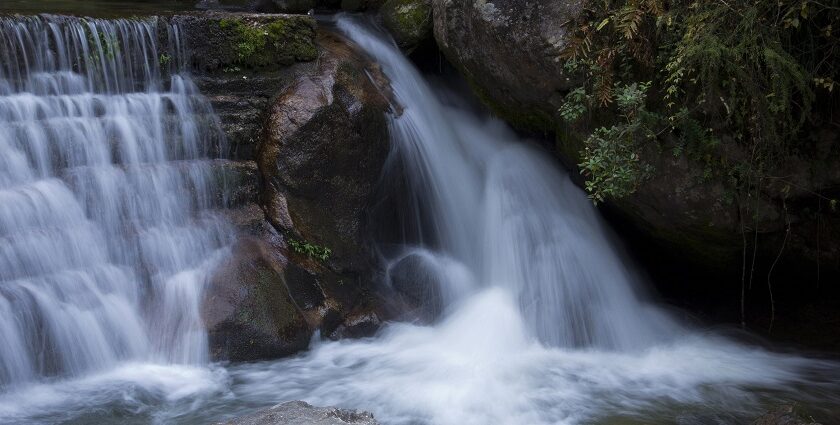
{"x": 272, "y": 293}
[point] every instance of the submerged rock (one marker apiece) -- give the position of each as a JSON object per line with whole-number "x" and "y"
{"x": 302, "y": 413}
{"x": 417, "y": 280}
{"x": 409, "y": 21}
{"x": 784, "y": 415}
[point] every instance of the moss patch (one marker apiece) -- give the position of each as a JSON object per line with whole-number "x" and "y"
{"x": 263, "y": 43}
{"x": 410, "y": 21}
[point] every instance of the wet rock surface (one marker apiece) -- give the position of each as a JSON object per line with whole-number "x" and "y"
{"x": 784, "y": 415}
{"x": 409, "y": 21}
{"x": 248, "y": 310}
{"x": 306, "y": 142}
{"x": 302, "y": 413}
{"x": 322, "y": 153}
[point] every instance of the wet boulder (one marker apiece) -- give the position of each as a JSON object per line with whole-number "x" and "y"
{"x": 248, "y": 311}
{"x": 302, "y": 413}
{"x": 409, "y": 21}
{"x": 417, "y": 281}
{"x": 318, "y": 133}
{"x": 322, "y": 151}
{"x": 324, "y": 147}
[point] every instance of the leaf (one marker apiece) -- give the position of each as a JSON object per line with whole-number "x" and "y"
{"x": 602, "y": 24}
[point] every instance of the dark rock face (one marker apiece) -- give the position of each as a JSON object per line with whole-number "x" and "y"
{"x": 323, "y": 150}
{"x": 301, "y": 413}
{"x": 409, "y": 21}
{"x": 509, "y": 50}
{"x": 510, "y": 53}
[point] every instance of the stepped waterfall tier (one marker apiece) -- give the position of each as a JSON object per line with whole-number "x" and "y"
{"x": 515, "y": 302}
{"x": 106, "y": 199}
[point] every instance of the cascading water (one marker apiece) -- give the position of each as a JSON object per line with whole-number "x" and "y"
{"x": 540, "y": 320}
{"x": 506, "y": 213}
{"x": 105, "y": 190}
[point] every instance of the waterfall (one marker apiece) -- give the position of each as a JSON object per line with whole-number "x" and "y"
{"x": 506, "y": 213}
{"x": 107, "y": 192}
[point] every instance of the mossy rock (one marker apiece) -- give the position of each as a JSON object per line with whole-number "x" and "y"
{"x": 263, "y": 43}
{"x": 409, "y": 21}
{"x": 234, "y": 41}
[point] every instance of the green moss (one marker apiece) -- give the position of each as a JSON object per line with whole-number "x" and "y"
{"x": 410, "y": 21}
{"x": 309, "y": 249}
{"x": 412, "y": 14}
{"x": 283, "y": 40}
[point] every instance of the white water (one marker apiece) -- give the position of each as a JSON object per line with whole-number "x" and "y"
{"x": 104, "y": 239}
{"x": 542, "y": 322}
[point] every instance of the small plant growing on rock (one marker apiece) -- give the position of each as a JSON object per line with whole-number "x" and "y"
{"x": 309, "y": 249}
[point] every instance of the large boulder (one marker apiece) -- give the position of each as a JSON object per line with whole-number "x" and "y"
{"x": 318, "y": 132}
{"x": 324, "y": 146}
{"x": 409, "y": 21}
{"x": 302, "y": 413}
{"x": 417, "y": 279}
{"x": 509, "y": 51}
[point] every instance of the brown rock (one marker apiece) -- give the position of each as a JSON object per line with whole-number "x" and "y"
{"x": 248, "y": 311}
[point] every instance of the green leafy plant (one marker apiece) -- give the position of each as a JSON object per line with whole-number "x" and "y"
{"x": 309, "y": 249}
{"x": 574, "y": 105}
{"x": 612, "y": 155}
{"x": 740, "y": 71}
